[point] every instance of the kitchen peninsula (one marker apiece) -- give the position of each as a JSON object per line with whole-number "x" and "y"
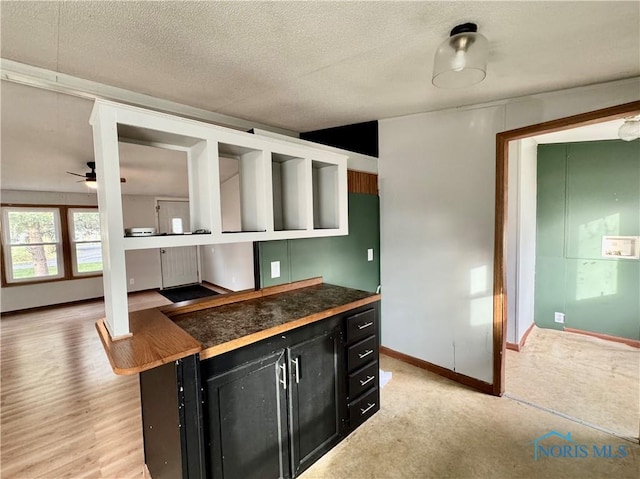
{"x": 256, "y": 384}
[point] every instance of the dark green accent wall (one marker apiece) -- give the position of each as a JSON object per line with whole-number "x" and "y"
{"x": 586, "y": 191}
{"x": 340, "y": 260}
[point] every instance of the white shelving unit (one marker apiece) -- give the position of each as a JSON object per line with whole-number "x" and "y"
{"x": 286, "y": 190}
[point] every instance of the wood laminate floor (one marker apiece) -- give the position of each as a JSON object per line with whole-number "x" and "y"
{"x": 64, "y": 413}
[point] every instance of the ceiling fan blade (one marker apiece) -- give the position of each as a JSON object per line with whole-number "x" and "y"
{"x": 75, "y": 174}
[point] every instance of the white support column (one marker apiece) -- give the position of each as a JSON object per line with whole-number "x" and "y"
{"x": 114, "y": 276}
{"x": 343, "y": 199}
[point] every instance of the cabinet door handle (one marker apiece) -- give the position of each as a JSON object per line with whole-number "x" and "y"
{"x": 365, "y": 410}
{"x": 365, "y": 325}
{"x": 365, "y": 354}
{"x": 283, "y": 381}
{"x": 296, "y": 362}
{"x": 368, "y": 380}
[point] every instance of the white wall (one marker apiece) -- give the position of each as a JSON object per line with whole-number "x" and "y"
{"x": 521, "y": 237}
{"x": 229, "y": 265}
{"x": 143, "y": 266}
{"x": 437, "y": 179}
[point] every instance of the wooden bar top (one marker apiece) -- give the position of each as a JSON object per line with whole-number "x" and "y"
{"x": 155, "y": 340}
{"x": 219, "y": 325}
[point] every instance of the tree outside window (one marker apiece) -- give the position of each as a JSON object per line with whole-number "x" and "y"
{"x": 44, "y": 243}
{"x": 32, "y": 241}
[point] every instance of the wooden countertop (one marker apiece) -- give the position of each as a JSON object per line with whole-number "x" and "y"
{"x": 213, "y": 326}
{"x": 155, "y": 340}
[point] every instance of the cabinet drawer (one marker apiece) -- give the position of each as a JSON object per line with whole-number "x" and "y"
{"x": 363, "y": 379}
{"x": 364, "y": 407}
{"x": 361, "y": 325}
{"x": 362, "y": 352}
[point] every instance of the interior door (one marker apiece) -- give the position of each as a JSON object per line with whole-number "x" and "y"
{"x": 180, "y": 264}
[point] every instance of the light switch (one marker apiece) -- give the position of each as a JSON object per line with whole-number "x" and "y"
{"x": 275, "y": 269}
{"x": 370, "y": 254}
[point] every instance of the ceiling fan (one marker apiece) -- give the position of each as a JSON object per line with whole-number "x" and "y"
{"x": 90, "y": 176}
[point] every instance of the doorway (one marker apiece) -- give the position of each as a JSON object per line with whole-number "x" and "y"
{"x": 179, "y": 265}
{"x": 501, "y": 312}
{"x": 572, "y": 188}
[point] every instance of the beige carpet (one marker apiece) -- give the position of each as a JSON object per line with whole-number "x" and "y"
{"x": 430, "y": 427}
{"x": 591, "y": 379}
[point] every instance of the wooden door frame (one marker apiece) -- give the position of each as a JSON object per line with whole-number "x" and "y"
{"x": 499, "y": 265}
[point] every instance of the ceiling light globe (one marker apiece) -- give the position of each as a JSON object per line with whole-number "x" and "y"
{"x": 461, "y": 60}
{"x": 630, "y": 130}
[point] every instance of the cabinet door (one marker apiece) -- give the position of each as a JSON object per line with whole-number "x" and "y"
{"x": 247, "y": 420}
{"x": 314, "y": 405}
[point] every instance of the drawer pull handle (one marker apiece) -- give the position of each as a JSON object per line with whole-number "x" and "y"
{"x": 365, "y": 325}
{"x": 367, "y": 409}
{"x": 365, "y": 354}
{"x": 368, "y": 380}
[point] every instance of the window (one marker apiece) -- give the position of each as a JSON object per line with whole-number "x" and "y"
{"x": 44, "y": 243}
{"x": 84, "y": 234}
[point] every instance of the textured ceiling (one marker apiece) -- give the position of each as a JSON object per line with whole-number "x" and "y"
{"x": 310, "y": 65}
{"x": 295, "y": 65}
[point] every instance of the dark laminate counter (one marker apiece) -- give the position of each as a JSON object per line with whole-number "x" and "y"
{"x": 227, "y": 327}
{"x": 216, "y": 326}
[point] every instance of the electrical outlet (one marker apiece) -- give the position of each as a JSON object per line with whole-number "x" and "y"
{"x": 275, "y": 269}
{"x": 558, "y": 317}
{"x": 370, "y": 254}
{"x": 132, "y": 281}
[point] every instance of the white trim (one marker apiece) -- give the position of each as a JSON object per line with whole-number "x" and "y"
{"x": 69, "y": 85}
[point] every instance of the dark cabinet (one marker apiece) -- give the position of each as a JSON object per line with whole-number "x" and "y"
{"x": 172, "y": 420}
{"x": 362, "y": 353}
{"x": 314, "y": 398}
{"x": 247, "y": 420}
{"x": 274, "y": 416}
{"x": 267, "y": 410}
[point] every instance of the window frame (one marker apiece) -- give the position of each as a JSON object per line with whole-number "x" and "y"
{"x": 71, "y": 210}
{"x": 65, "y": 255}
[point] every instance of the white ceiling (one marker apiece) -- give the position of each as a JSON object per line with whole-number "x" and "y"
{"x": 295, "y": 65}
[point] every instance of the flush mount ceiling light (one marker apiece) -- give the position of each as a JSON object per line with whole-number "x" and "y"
{"x": 461, "y": 60}
{"x": 630, "y": 129}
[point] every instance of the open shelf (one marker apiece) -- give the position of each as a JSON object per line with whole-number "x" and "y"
{"x": 242, "y": 188}
{"x": 166, "y": 241}
{"x": 290, "y": 189}
{"x": 325, "y": 195}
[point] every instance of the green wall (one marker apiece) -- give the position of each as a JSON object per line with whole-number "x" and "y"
{"x": 340, "y": 260}
{"x": 586, "y": 191}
